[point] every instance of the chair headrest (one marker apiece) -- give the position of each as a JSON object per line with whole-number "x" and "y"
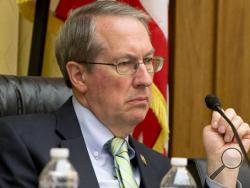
{"x": 31, "y": 94}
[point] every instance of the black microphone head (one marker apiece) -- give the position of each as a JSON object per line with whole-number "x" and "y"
{"x": 212, "y": 102}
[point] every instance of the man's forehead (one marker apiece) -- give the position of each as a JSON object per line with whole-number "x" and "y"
{"x": 122, "y": 34}
{"x": 120, "y": 26}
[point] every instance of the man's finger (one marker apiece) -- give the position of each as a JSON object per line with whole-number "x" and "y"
{"x": 215, "y": 118}
{"x": 222, "y": 123}
{"x": 244, "y": 131}
{"x": 229, "y": 134}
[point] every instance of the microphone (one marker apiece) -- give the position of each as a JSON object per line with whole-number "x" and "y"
{"x": 213, "y": 103}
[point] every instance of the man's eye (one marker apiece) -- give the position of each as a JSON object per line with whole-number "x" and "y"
{"x": 147, "y": 61}
{"x": 126, "y": 63}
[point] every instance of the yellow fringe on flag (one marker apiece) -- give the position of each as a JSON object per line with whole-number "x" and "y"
{"x": 27, "y": 9}
{"x": 22, "y": 1}
{"x": 159, "y": 107}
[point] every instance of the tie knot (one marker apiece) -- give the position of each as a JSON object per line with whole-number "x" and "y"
{"x": 118, "y": 146}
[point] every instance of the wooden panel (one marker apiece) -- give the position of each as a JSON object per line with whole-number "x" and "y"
{"x": 8, "y": 37}
{"x": 211, "y": 53}
{"x": 192, "y": 68}
{"x": 233, "y": 55}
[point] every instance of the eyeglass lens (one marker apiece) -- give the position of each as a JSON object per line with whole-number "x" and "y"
{"x": 130, "y": 67}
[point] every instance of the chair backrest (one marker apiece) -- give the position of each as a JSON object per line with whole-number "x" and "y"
{"x": 31, "y": 94}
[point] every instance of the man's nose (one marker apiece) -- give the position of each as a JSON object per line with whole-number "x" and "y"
{"x": 143, "y": 77}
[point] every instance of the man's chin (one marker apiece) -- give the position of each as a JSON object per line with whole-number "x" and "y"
{"x": 136, "y": 119}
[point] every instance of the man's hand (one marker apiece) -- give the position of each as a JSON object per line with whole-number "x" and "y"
{"x": 218, "y": 137}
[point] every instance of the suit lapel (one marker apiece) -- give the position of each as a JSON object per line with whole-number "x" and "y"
{"x": 146, "y": 181}
{"x": 148, "y": 177}
{"x": 69, "y": 130}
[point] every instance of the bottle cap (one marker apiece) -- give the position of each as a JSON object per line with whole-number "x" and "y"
{"x": 59, "y": 152}
{"x": 178, "y": 161}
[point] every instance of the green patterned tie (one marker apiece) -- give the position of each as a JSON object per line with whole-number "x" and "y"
{"x": 119, "y": 149}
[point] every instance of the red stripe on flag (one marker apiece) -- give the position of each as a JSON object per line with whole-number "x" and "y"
{"x": 149, "y": 128}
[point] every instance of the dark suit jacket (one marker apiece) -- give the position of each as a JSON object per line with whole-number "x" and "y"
{"x": 25, "y": 142}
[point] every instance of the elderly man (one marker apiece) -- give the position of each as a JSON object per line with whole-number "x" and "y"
{"x": 106, "y": 57}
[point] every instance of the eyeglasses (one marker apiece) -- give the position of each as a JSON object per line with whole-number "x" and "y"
{"x": 152, "y": 64}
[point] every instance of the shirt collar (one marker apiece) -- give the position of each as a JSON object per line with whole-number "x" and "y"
{"x": 95, "y": 134}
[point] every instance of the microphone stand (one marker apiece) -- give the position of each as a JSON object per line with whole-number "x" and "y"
{"x": 218, "y": 109}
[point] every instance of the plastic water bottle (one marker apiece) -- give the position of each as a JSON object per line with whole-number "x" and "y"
{"x": 58, "y": 173}
{"x": 178, "y": 176}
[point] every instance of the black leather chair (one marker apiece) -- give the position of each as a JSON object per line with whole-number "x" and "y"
{"x": 29, "y": 94}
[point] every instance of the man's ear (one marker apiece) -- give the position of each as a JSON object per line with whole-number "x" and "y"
{"x": 76, "y": 73}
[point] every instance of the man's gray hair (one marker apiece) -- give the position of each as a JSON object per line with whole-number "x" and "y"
{"x": 76, "y": 40}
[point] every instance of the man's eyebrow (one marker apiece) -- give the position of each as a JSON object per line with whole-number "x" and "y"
{"x": 151, "y": 52}
{"x": 131, "y": 56}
